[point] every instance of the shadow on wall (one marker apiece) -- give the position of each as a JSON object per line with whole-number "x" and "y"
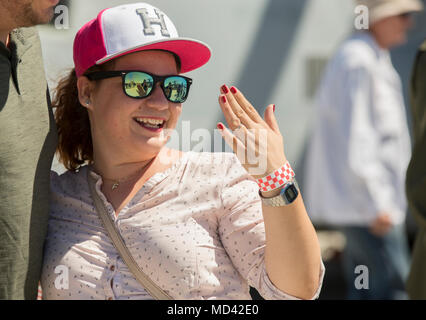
{"x": 270, "y": 50}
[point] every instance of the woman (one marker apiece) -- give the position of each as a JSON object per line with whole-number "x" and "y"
{"x": 194, "y": 222}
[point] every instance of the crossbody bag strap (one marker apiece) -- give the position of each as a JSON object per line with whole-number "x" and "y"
{"x": 154, "y": 290}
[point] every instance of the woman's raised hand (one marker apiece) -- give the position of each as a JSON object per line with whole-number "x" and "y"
{"x": 257, "y": 142}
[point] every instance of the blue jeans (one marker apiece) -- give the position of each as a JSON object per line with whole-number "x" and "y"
{"x": 387, "y": 259}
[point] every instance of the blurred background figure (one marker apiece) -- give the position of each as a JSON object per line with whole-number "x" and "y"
{"x": 360, "y": 151}
{"x": 416, "y": 176}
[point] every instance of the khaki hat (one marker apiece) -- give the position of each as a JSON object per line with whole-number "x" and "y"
{"x": 380, "y": 9}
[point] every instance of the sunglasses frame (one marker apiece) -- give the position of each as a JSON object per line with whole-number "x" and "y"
{"x": 99, "y": 75}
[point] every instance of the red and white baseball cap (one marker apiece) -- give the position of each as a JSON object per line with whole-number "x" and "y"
{"x": 134, "y": 27}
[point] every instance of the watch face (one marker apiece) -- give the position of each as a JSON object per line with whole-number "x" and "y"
{"x": 291, "y": 193}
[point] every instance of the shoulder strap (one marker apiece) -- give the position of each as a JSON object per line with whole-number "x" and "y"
{"x": 153, "y": 289}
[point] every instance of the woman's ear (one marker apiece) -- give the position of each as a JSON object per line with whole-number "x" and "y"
{"x": 85, "y": 89}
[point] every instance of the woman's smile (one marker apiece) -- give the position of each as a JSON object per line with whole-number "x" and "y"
{"x": 151, "y": 124}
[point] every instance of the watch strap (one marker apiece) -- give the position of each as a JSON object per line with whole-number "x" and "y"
{"x": 288, "y": 193}
{"x": 277, "y": 178}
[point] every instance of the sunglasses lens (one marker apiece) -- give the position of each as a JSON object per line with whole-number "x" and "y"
{"x": 176, "y": 89}
{"x": 138, "y": 84}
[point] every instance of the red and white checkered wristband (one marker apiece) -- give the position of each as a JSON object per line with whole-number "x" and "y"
{"x": 276, "y": 179}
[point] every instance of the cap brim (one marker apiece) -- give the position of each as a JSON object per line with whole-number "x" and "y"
{"x": 393, "y": 9}
{"x": 192, "y": 53}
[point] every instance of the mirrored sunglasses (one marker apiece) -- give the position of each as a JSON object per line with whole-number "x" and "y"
{"x": 140, "y": 84}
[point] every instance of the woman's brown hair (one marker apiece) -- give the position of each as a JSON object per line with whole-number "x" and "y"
{"x": 75, "y": 146}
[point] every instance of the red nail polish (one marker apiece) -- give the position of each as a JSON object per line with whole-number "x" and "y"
{"x": 225, "y": 89}
{"x": 274, "y": 108}
{"x": 220, "y": 126}
{"x": 233, "y": 90}
{"x": 223, "y": 99}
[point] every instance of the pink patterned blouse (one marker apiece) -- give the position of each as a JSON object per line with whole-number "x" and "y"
{"x": 196, "y": 229}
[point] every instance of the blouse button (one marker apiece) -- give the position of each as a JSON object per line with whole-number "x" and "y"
{"x": 112, "y": 268}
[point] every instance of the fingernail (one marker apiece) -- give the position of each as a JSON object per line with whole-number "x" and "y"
{"x": 274, "y": 108}
{"x": 225, "y": 89}
{"x": 223, "y": 99}
{"x": 233, "y": 90}
{"x": 220, "y": 126}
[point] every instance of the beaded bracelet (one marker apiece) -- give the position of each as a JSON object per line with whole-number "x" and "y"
{"x": 277, "y": 178}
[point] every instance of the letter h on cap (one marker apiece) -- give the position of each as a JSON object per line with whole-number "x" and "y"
{"x": 148, "y": 21}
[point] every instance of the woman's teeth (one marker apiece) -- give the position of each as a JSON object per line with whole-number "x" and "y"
{"x": 150, "y": 123}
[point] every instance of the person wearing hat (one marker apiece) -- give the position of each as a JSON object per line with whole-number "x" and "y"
{"x": 28, "y": 141}
{"x": 359, "y": 152}
{"x": 196, "y": 224}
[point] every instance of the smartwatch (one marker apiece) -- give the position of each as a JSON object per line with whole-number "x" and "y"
{"x": 287, "y": 195}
